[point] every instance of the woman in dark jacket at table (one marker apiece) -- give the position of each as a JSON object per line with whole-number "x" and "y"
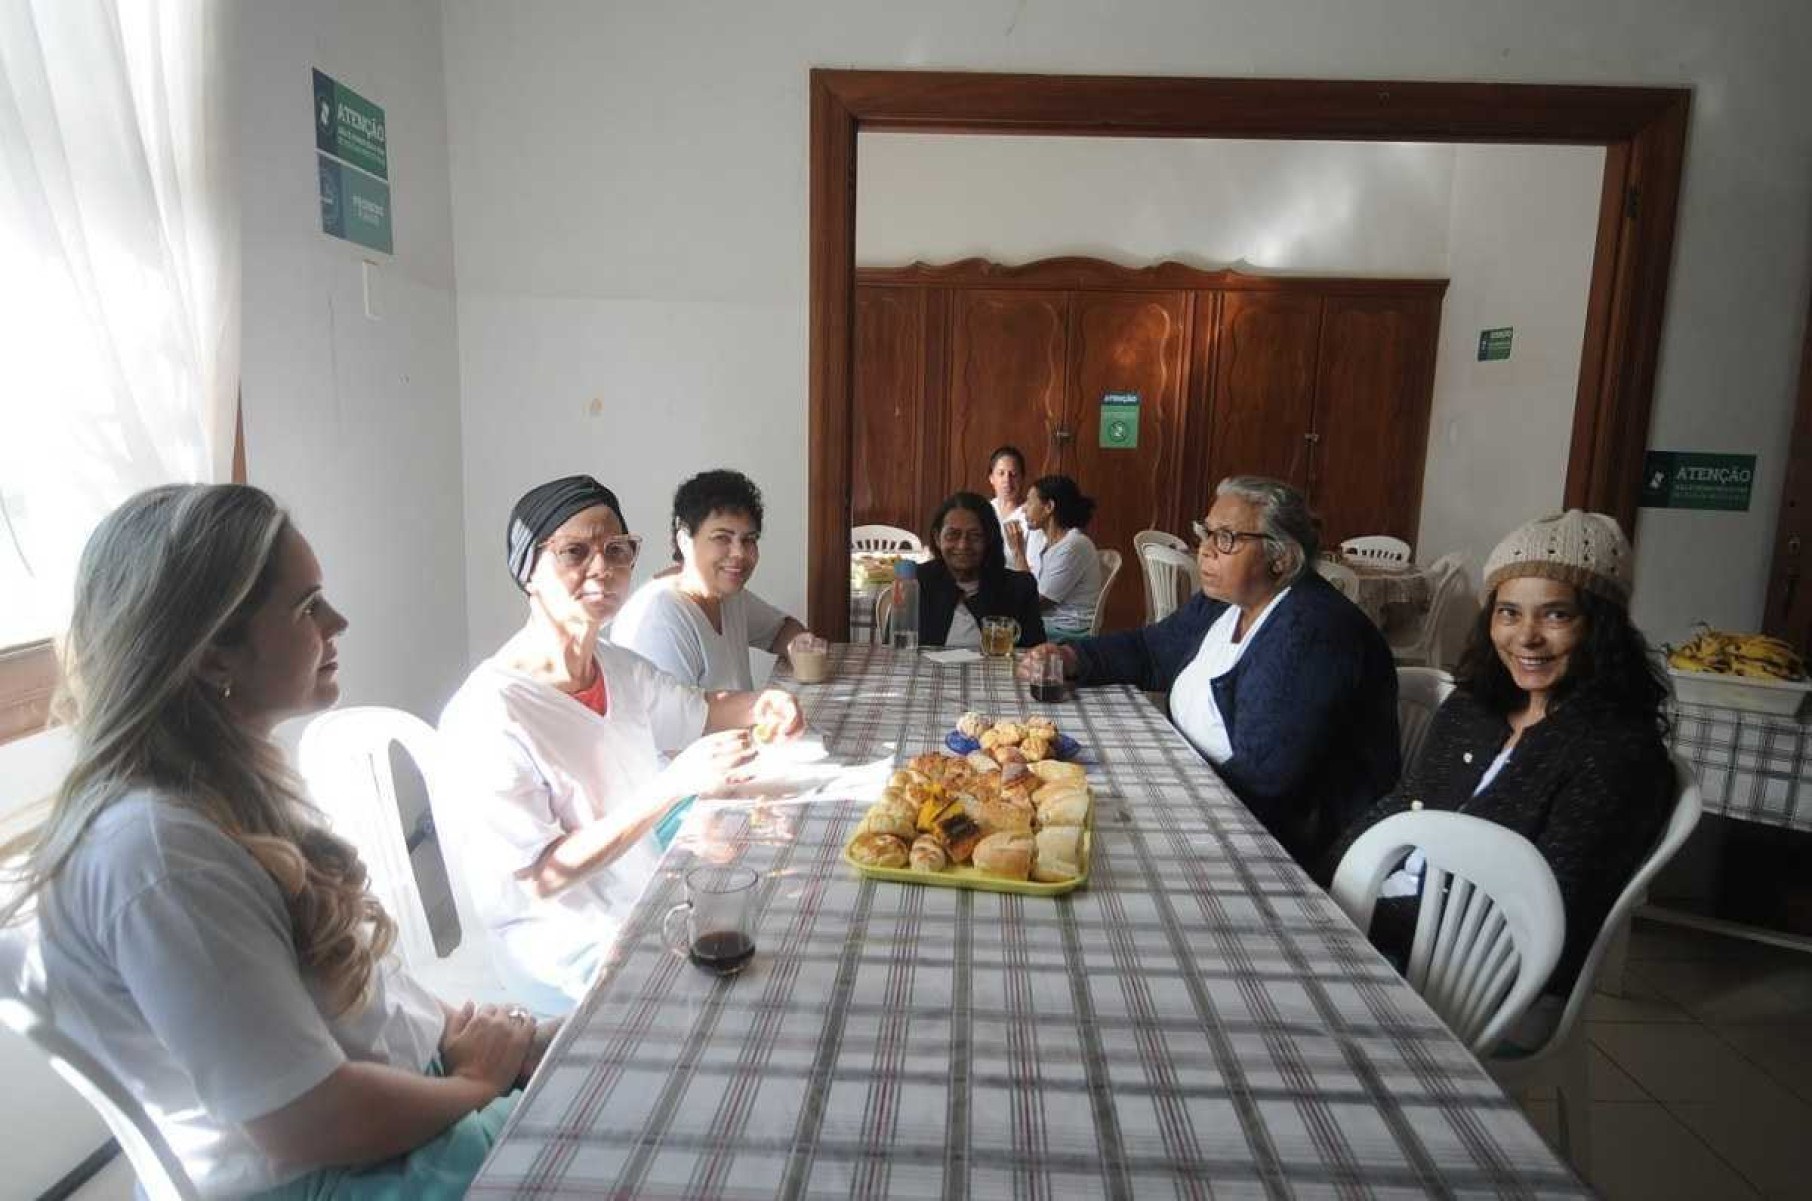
{"x": 1555, "y": 731}
{"x": 967, "y": 579}
{"x": 1275, "y": 677}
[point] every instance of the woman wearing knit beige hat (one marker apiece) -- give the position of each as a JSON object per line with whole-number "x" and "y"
{"x": 1556, "y": 731}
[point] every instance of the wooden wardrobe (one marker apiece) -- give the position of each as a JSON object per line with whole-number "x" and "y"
{"x": 1323, "y": 382}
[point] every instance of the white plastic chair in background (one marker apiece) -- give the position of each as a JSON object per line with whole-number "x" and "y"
{"x": 345, "y": 758}
{"x": 1170, "y": 577}
{"x": 22, "y": 1011}
{"x": 1490, "y": 925}
{"x": 883, "y": 616}
{"x": 1423, "y": 647}
{"x": 1145, "y": 538}
{"x": 1377, "y": 548}
{"x": 1110, "y": 571}
{"x": 1561, "y": 1061}
{"x": 873, "y": 539}
{"x": 1344, "y": 579}
{"x": 1420, "y": 691}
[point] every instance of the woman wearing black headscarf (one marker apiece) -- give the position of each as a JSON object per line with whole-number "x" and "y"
{"x": 555, "y": 744}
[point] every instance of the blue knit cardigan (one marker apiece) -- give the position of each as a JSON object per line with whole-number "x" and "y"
{"x": 1310, "y": 708}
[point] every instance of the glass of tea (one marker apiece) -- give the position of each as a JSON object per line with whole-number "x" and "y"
{"x": 998, "y": 636}
{"x": 714, "y": 925}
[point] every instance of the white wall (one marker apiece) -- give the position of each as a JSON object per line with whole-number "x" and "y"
{"x": 629, "y": 193}
{"x": 1524, "y": 225}
{"x": 352, "y": 422}
{"x": 1347, "y": 208}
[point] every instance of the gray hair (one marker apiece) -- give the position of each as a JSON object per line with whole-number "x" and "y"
{"x": 1291, "y": 538}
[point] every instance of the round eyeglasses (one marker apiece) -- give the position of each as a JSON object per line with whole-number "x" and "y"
{"x": 575, "y": 554}
{"x": 1224, "y": 541}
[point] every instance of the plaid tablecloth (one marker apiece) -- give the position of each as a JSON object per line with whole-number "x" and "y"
{"x": 1198, "y": 1020}
{"x": 1751, "y": 766}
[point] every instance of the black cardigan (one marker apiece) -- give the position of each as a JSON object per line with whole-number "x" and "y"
{"x": 1002, "y": 593}
{"x": 1590, "y": 785}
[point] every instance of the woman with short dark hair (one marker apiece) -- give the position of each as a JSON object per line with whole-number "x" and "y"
{"x": 1060, "y": 556}
{"x": 1555, "y": 731}
{"x": 1007, "y": 477}
{"x": 699, "y": 624}
{"x": 967, "y": 578}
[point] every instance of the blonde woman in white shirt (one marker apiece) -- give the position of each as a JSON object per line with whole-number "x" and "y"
{"x": 203, "y": 935}
{"x": 556, "y": 743}
{"x": 699, "y": 624}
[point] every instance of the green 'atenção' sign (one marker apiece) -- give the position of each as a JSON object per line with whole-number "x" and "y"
{"x": 1677, "y": 479}
{"x": 350, "y": 127}
{"x": 1120, "y": 420}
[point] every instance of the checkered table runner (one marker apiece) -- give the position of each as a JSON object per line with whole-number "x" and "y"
{"x": 1198, "y": 1020}
{"x": 1751, "y": 766}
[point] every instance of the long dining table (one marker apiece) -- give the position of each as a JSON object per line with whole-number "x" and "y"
{"x": 1198, "y": 1020}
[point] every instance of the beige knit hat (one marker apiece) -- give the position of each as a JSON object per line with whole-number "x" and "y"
{"x": 1586, "y": 550}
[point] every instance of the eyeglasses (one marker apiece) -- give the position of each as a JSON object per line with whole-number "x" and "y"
{"x": 1224, "y": 540}
{"x": 575, "y": 554}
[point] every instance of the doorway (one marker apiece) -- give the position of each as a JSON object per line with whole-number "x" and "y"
{"x": 1642, "y": 130}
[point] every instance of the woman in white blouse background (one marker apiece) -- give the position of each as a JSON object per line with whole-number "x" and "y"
{"x": 699, "y": 625}
{"x": 204, "y": 935}
{"x": 1060, "y": 556}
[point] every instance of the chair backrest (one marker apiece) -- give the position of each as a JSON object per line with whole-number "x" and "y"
{"x": 1449, "y": 575}
{"x": 1343, "y": 578}
{"x": 883, "y": 616}
{"x": 1110, "y": 571}
{"x": 1169, "y": 575}
{"x": 1490, "y": 925}
{"x": 1420, "y": 691}
{"x": 1376, "y": 548}
{"x": 1687, "y": 807}
{"x": 24, "y": 1012}
{"x": 1145, "y": 538}
{"x": 871, "y": 538}
{"x": 345, "y": 758}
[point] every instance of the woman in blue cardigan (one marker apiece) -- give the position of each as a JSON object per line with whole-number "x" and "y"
{"x": 1275, "y": 677}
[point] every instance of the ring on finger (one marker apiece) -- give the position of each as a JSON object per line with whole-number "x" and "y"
{"x": 518, "y": 1014}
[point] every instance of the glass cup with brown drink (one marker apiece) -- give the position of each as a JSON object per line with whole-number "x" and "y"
{"x": 999, "y": 635}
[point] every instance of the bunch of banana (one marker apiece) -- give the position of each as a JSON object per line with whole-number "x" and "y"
{"x": 1755, "y": 655}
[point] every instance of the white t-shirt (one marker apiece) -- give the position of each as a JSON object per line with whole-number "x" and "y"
{"x": 1068, "y": 572}
{"x": 665, "y": 627}
{"x": 168, "y": 955}
{"x": 529, "y": 764}
{"x": 1192, "y": 706}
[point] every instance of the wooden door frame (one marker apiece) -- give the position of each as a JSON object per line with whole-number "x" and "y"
{"x": 1793, "y": 520}
{"x": 1642, "y": 129}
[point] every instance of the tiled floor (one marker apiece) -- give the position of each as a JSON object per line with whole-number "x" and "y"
{"x": 1701, "y": 1072}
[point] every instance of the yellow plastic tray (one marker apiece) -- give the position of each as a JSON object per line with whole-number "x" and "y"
{"x": 969, "y": 877}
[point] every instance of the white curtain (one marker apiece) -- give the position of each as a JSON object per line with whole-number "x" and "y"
{"x": 119, "y": 275}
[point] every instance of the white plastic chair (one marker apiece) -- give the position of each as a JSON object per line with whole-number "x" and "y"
{"x": 345, "y": 758}
{"x": 1561, "y": 1061}
{"x": 1110, "y": 571}
{"x": 23, "y": 1011}
{"x": 883, "y": 616}
{"x": 1490, "y": 925}
{"x": 1376, "y": 548}
{"x": 884, "y": 538}
{"x": 1344, "y": 579}
{"x": 1170, "y": 576}
{"x": 1145, "y": 538}
{"x": 1423, "y": 646}
{"x": 1420, "y": 691}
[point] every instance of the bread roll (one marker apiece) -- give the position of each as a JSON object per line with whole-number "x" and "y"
{"x": 1035, "y": 748}
{"x": 982, "y": 761}
{"x": 996, "y": 817}
{"x": 884, "y": 819}
{"x": 1066, "y": 809}
{"x": 1043, "y": 727}
{"x": 878, "y": 850}
{"x": 1006, "y": 855}
{"x": 928, "y": 854}
{"x": 1008, "y": 733}
{"x": 1008, "y": 756}
{"x": 1059, "y": 854}
{"x": 1051, "y": 792}
{"x": 971, "y": 724}
{"x": 1053, "y": 770}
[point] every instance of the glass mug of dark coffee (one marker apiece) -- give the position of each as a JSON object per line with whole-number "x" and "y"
{"x": 714, "y": 925}
{"x": 1048, "y": 684}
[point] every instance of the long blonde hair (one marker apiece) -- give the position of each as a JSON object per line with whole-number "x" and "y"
{"x": 171, "y": 573}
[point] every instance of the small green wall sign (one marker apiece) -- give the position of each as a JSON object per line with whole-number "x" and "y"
{"x": 1494, "y": 344}
{"x": 1120, "y": 420}
{"x": 354, "y": 206}
{"x": 350, "y": 127}
{"x": 1678, "y": 479}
